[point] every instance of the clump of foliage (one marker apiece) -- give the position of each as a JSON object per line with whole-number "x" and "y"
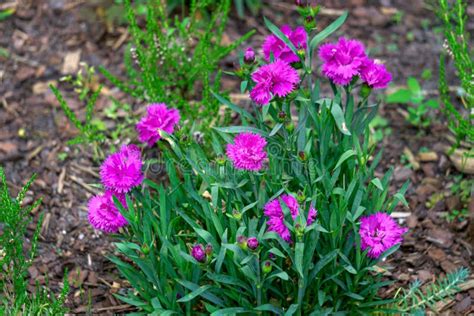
{"x": 14, "y": 263}
{"x": 418, "y": 106}
{"x": 460, "y": 118}
{"x": 174, "y": 59}
{"x": 416, "y": 299}
{"x": 204, "y": 243}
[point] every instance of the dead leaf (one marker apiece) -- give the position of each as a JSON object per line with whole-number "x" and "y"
{"x": 71, "y": 62}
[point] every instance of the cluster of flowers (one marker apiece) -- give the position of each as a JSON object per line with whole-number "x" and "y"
{"x": 122, "y": 171}
{"x": 342, "y": 62}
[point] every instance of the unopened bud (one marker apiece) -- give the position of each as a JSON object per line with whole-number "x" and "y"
{"x": 299, "y": 3}
{"x": 252, "y": 243}
{"x": 242, "y": 241}
{"x": 290, "y": 127}
{"x": 208, "y": 249}
{"x": 221, "y": 160}
{"x": 249, "y": 56}
{"x": 300, "y": 197}
{"x": 198, "y": 253}
{"x": 267, "y": 267}
{"x": 237, "y": 215}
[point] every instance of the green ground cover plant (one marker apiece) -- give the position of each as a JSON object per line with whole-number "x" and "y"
{"x": 459, "y": 113}
{"x": 15, "y": 259}
{"x": 171, "y": 58}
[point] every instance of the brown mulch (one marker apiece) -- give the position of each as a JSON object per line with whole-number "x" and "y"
{"x": 46, "y": 39}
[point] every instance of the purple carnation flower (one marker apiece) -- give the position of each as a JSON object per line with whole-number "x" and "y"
{"x": 277, "y": 78}
{"x": 379, "y": 232}
{"x": 198, "y": 253}
{"x": 274, "y": 45}
{"x": 274, "y": 212}
{"x": 342, "y": 61}
{"x": 158, "y": 117}
{"x": 247, "y": 152}
{"x": 312, "y": 215}
{"x": 122, "y": 170}
{"x": 375, "y": 75}
{"x": 104, "y": 215}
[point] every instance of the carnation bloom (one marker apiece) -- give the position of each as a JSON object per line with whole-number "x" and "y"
{"x": 104, "y": 215}
{"x": 198, "y": 253}
{"x": 158, "y": 117}
{"x": 121, "y": 171}
{"x": 247, "y": 152}
{"x": 379, "y": 232}
{"x": 375, "y": 75}
{"x": 274, "y": 45}
{"x": 342, "y": 61}
{"x": 277, "y": 78}
{"x": 274, "y": 212}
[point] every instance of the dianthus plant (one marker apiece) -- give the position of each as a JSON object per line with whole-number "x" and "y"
{"x": 286, "y": 217}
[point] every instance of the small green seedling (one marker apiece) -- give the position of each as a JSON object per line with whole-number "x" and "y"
{"x": 414, "y": 97}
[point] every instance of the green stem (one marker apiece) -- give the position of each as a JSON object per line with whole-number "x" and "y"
{"x": 259, "y": 281}
{"x": 301, "y": 290}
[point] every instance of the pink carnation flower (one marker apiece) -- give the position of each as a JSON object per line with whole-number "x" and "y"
{"x": 104, "y": 215}
{"x": 247, "y": 152}
{"x": 158, "y": 117}
{"x": 274, "y": 45}
{"x": 274, "y": 212}
{"x": 342, "y": 61}
{"x": 375, "y": 75}
{"x": 122, "y": 171}
{"x": 277, "y": 78}
{"x": 379, "y": 232}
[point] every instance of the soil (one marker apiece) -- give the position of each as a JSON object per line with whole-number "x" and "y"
{"x": 46, "y": 39}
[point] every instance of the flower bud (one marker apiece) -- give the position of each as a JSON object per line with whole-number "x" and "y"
{"x": 237, "y": 215}
{"x": 242, "y": 241}
{"x": 290, "y": 127}
{"x": 221, "y": 160}
{"x": 282, "y": 115}
{"x": 299, "y": 3}
{"x": 301, "y": 53}
{"x": 249, "y": 56}
{"x": 198, "y": 253}
{"x": 302, "y": 156}
{"x": 300, "y": 197}
{"x": 299, "y": 230}
{"x": 208, "y": 249}
{"x": 252, "y": 243}
{"x": 271, "y": 256}
{"x": 267, "y": 267}
{"x": 145, "y": 249}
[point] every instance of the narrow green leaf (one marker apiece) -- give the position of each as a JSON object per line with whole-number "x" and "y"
{"x": 194, "y": 294}
{"x": 240, "y": 129}
{"x": 377, "y": 183}
{"x": 349, "y": 153}
{"x": 276, "y": 31}
{"x": 318, "y": 38}
{"x": 299, "y": 253}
